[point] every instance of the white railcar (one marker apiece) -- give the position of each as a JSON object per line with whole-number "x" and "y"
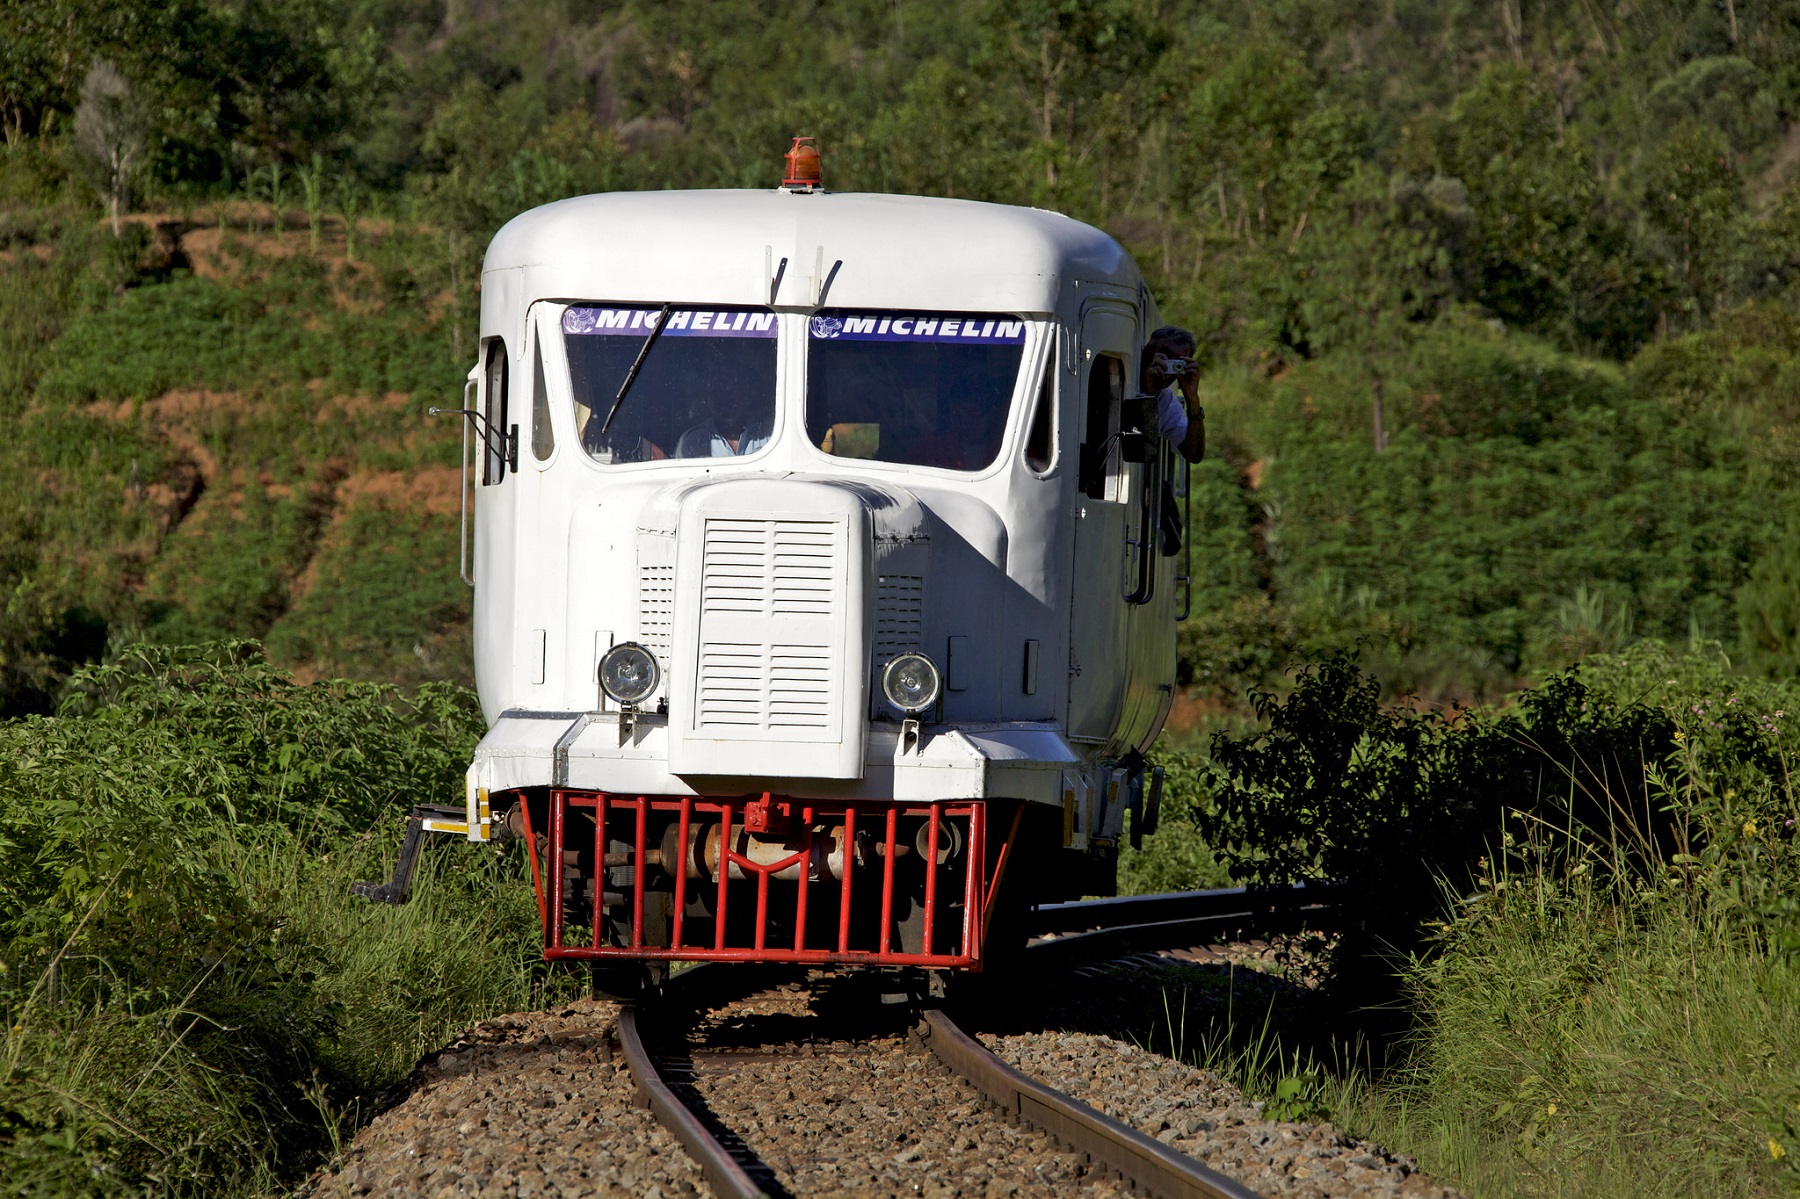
{"x": 752, "y": 455}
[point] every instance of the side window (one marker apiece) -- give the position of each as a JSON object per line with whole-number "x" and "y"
{"x": 543, "y": 437}
{"x": 496, "y": 430}
{"x": 1099, "y": 442}
{"x": 1040, "y": 441}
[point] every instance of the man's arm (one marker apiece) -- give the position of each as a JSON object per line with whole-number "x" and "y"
{"x": 1180, "y": 419}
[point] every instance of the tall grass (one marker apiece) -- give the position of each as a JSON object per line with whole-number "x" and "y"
{"x": 1609, "y": 1004}
{"x": 1574, "y": 1044}
{"x": 194, "y": 1003}
{"x": 1256, "y": 1043}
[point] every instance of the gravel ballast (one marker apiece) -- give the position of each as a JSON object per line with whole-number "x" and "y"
{"x": 527, "y": 1105}
{"x": 825, "y": 1086}
{"x": 872, "y": 1115}
{"x": 1205, "y": 1117}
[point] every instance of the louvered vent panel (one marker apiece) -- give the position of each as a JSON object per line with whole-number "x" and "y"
{"x": 805, "y": 569}
{"x": 760, "y": 668}
{"x": 731, "y": 684}
{"x": 656, "y": 609}
{"x": 799, "y": 687}
{"x": 899, "y": 615}
{"x": 736, "y": 575}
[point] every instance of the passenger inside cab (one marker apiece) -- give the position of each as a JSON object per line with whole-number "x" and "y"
{"x": 732, "y": 429}
{"x": 674, "y": 383}
{"x": 923, "y": 389}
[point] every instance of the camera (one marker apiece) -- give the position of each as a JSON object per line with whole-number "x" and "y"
{"x": 1172, "y": 368}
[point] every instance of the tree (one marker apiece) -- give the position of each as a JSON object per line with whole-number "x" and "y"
{"x": 38, "y": 43}
{"x": 1242, "y": 120}
{"x": 1693, "y": 202}
{"x": 1768, "y": 607}
{"x": 1532, "y": 192}
{"x": 1074, "y": 69}
{"x": 108, "y": 129}
{"x": 1373, "y": 271}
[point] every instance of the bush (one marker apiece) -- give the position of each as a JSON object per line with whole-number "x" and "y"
{"x": 1597, "y": 1014}
{"x": 1584, "y": 906}
{"x": 1177, "y": 857}
{"x": 1768, "y": 607}
{"x": 194, "y": 999}
{"x": 1397, "y": 803}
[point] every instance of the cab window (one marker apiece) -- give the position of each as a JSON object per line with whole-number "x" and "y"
{"x": 1100, "y": 440}
{"x": 496, "y": 428}
{"x": 920, "y": 388}
{"x": 705, "y": 386}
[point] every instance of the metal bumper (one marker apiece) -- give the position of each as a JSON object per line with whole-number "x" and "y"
{"x": 837, "y": 893}
{"x": 585, "y": 751}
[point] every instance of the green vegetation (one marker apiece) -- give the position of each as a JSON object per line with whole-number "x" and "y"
{"x": 1581, "y": 907}
{"x": 1605, "y": 1021}
{"x": 1497, "y": 305}
{"x": 1499, "y": 315}
{"x": 194, "y": 1003}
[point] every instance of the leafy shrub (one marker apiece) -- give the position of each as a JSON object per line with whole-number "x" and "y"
{"x": 1393, "y": 801}
{"x": 1768, "y": 608}
{"x": 1478, "y": 389}
{"x": 1229, "y": 647}
{"x": 1598, "y": 1006}
{"x": 193, "y": 998}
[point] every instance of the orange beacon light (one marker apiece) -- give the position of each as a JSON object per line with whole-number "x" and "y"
{"x": 803, "y": 171}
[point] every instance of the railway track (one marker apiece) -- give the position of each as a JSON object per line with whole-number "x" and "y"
{"x": 796, "y": 1092}
{"x": 761, "y": 1081}
{"x": 1053, "y": 1142}
{"x": 722, "y": 1168}
{"x": 1065, "y": 934}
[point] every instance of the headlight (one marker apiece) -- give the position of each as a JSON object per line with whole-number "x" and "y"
{"x": 629, "y": 673}
{"x": 911, "y": 683}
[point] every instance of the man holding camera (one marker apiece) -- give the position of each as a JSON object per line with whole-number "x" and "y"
{"x": 1168, "y": 364}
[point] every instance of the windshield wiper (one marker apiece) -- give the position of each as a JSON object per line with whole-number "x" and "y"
{"x": 631, "y": 375}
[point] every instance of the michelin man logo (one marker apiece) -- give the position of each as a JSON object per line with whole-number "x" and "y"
{"x": 826, "y": 326}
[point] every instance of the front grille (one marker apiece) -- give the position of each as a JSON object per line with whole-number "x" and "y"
{"x": 770, "y": 599}
{"x": 799, "y": 687}
{"x": 899, "y": 616}
{"x": 764, "y": 687}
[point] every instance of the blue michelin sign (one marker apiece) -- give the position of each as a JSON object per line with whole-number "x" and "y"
{"x": 683, "y": 322}
{"x": 961, "y": 328}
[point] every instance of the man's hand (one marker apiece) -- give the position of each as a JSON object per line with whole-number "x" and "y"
{"x": 1190, "y": 384}
{"x": 1185, "y": 374}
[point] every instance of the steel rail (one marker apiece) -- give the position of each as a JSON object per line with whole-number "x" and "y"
{"x": 1084, "y": 915}
{"x": 1147, "y": 1163}
{"x": 1068, "y": 935}
{"x": 728, "y": 1179}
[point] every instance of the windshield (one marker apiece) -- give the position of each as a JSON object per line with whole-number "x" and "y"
{"x": 706, "y": 388}
{"x": 922, "y": 388}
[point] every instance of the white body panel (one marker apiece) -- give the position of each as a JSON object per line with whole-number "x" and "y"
{"x": 1011, "y": 579}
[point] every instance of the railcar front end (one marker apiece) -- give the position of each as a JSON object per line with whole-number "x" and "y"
{"x": 823, "y": 605}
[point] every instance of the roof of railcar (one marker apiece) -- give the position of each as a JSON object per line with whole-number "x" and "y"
{"x": 723, "y": 246}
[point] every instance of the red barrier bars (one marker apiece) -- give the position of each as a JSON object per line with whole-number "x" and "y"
{"x": 805, "y": 852}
